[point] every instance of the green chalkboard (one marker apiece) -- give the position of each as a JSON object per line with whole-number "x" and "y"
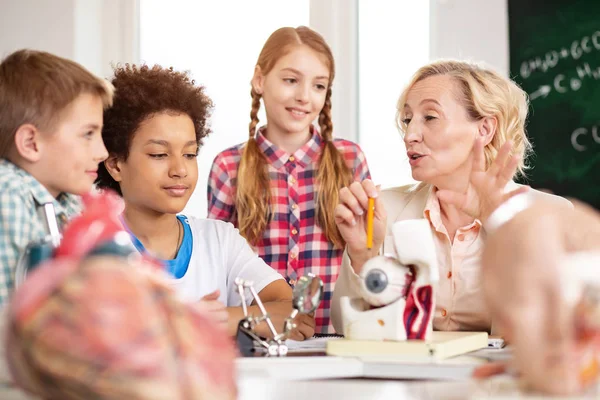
{"x": 555, "y": 58}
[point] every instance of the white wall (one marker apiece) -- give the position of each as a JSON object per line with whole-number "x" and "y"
{"x": 40, "y": 24}
{"x": 91, "y": 32}
{"x": 470, "y": 29}
{"x": 382, "y": 77}
{"x": 336, "y": 21}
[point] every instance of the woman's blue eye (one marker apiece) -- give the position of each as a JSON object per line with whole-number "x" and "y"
{"x": 406, "y": 121}
{"x": 429, "y": 117}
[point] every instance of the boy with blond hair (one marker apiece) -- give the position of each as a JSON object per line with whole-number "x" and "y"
{"x": 51, "y": 113}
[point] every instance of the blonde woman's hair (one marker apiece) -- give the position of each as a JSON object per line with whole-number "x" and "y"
{"x": 484, "y": 93}
{"x": 253, "y": 191}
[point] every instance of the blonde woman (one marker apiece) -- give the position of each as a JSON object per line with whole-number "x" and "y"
{"x": 462, "y": 124}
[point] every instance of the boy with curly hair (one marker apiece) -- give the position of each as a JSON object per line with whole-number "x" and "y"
{"x": 153, "y": 134}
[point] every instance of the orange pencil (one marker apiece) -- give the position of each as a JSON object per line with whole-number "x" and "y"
{"x": 370, "y": 216}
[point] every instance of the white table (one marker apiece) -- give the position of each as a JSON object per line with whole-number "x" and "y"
{"x": 376, "y": 378}
{"x": 322, "y": 367}
{"x": 498, "y": 388}
{"x": 293, "y": 378}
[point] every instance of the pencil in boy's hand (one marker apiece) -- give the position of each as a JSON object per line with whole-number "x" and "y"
{"x": 370, "y": 216}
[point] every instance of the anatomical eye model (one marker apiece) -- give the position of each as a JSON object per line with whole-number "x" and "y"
{"x": 397, "y": 293}
{"x": 386, "y": 280}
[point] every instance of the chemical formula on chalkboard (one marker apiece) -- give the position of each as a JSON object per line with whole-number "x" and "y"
{"x": 555, "y": 57}
{"x": 561, "y": 83}
{"x": 583, "y": 137}
{"x": 575, "y": 51}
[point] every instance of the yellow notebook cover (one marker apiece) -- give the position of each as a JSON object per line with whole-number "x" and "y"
{"x": 442, "y": 345}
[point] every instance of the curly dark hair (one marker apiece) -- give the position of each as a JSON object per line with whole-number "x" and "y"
{"x": 140, "y": 92}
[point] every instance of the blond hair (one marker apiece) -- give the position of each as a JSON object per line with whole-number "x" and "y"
{"x": 253, "y": 192}
{"x": 36, "y": 87}
{"x": 484, "y": 93}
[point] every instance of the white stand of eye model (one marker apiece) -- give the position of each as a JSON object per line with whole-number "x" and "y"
{"x": 378, "y": 314}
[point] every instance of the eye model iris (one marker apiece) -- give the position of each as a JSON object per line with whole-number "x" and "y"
{"x": 376, "y": 281}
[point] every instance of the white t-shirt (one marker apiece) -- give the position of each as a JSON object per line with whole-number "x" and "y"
{"x": 219, "y": 255}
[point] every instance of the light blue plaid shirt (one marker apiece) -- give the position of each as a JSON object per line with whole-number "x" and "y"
{"x": 20, "y": 195}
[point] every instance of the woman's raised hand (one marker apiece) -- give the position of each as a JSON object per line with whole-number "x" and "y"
{"x": 351, "y": 219}
{"x": 486, "y": 190}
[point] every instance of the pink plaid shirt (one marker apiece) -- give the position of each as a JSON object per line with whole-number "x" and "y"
{"x": 293, "y": 243}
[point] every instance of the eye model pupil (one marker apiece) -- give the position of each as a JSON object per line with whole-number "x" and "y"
{"x": 376, "y": 281}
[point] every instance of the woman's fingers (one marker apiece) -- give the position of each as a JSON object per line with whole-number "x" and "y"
{"x": 354, "y": 201}
{"x": 343, "y": 215}
{"x": 370, "y": 189}
{"x": 507, "y": 173}
{"x": 501, "y": 159}
{"x": 349, "y": 199}
{"x": 361, "y": 197}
